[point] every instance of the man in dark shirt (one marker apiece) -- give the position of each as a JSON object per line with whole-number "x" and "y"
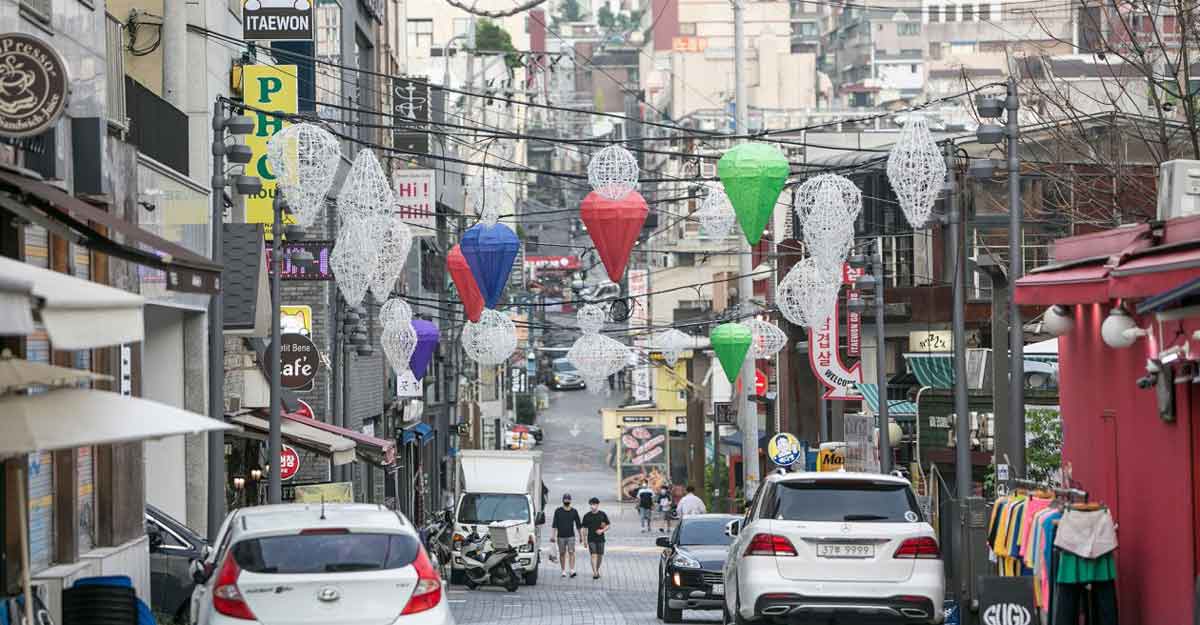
{"x": 596, "y": 523}
{"x": 563, "y": 530}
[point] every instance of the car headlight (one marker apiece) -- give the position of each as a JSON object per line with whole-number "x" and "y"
{"x": 683, "y": 560}
{"x": 558, "y": 378}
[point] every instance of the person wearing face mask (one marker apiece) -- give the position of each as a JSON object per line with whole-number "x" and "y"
{"x": 565, "y": 527}
{"x": 596, "y": 523}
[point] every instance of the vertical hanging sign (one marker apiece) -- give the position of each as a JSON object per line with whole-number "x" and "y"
{"x": 639, "y": 319}
{"x": 825, "y": 357}
{"x": 853, "y": 319}
{"x": 411, "y": 107}
{"x": 269, "y": 88}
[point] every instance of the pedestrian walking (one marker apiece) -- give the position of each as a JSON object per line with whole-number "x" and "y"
{"x": 645, "y": 504}
{"x": 690, "y": 504}
{"x": 563, "y": 530}
{"x": 666, "y": 507}
{"x": 596, "y": 523}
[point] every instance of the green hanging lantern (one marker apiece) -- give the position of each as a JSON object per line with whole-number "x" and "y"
{"x": 731, "y": 341}
{"x": 753, "y": 175}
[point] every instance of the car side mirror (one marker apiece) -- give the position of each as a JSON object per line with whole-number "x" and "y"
{"x": 154, "y": 534}
{"x": 733, "y": 527}
{"x": 205, "y": 552}
{"x": 663, "y": 541}
{"x": 541, "y": 518}
{"x": 200, "y": 571}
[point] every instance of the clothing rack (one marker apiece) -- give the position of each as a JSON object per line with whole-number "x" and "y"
{"x": 1067, "y": 493}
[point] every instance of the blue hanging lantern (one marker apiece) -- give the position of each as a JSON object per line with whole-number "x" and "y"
{"x": 490, "y": 252}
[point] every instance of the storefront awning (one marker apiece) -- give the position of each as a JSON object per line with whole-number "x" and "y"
{"x": 419, "y": 433}
{"x": 896, "y": 407}
{"x": 932, "y": 370}
{"x": 1149, "y": 275}
{"x": 339, "y": 448}
{"x": 77, "y": 314}
{"x": 75, "y": 417}
{"x": 68, "y": 216}
{"x": 1077, "y": 284}
{"x": 368, "y": 448}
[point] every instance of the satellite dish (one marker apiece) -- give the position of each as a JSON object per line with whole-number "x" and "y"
{"x": 602, "y": 128}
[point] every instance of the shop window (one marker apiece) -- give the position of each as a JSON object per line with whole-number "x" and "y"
{"x": 420, "y": 36}
{"x": 908, "y": 29}
{"x": 40, "y": 11}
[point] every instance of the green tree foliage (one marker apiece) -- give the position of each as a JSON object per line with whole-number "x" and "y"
{"x": 1043, "y": 455}
{"x": 491, "y": 38}
{"x": 569, "y": 11}
{"x": 623, "y": 21}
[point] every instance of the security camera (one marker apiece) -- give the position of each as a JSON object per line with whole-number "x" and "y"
{"x": 1147, "y": 381}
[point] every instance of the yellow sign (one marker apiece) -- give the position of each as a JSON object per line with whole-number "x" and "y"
{"x": 784, "y": 450}
{"x": 269, "y": 88}
{"x": 689, "y": 44}
{"x": 832, "y": 457}
{"x": 295, "y": 320}
{"x": 336, "y": 492}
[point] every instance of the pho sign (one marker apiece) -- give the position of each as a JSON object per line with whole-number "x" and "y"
{"x": 34, "y": 85}
{"x": 278, "y": 20}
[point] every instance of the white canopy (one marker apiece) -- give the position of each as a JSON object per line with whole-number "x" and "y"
{"x": 339, "y": 448}
{"x": 77, "y": 314}
{"x": 75, "y": 417}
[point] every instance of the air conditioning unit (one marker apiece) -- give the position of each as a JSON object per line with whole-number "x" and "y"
{"x": 1178, "y": 189}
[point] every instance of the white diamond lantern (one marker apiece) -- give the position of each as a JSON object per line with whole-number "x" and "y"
{"x": 304, "y": 158}
{"x": 808, "y": 293}
{"x": 767, "y": 340}
{"x": 352, "y": 259}
{"x": 613, "y": 172}
{"x": 590, "y": 319}
{"x": 488, "y": 195}
{"x": 716, "y": 213}
{"x": 596, "y": 357}
{"x": 916, "y": 170}
{"x": 672, "y": 343}
{"x": 827, "y": 206}
{"x": 365, "y": 192}
{"x": 395, "y": 311}
{"x": 393, "y": 250}
{"x": 492, "y": 340}
{"x": 399, "y": 340}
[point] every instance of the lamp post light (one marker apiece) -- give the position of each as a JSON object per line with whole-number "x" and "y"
{"x": 991, "y": 108}
{"x": 239, "y": 155}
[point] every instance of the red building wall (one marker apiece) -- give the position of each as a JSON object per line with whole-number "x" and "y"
{"x": 1142, "y": 467}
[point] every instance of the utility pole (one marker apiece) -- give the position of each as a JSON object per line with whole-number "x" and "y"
{"x": 962, "y": 424}
{"x": 747, "y": 411}
{"x": 1016, "y": 334}
{"x": 274, "y": 444}
{"x": 885, "y": 443}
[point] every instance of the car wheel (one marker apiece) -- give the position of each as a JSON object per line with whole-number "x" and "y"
{"x": 458, "y": 577}
{"x": 659, "y": 603}
{"x": 531, "y": 577}
{"x": 669, "y": 615}
{"x": 738, "y": 619}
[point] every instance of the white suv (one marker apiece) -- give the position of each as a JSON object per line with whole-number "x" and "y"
{"x": 833, "y": 547}
{"x": 311, "y": 564}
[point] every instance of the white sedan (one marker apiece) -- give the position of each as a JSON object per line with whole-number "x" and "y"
{"x": 834, "y": 547}
{"x": 312, "y": 564}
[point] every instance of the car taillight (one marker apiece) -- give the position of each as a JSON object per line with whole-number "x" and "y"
{"x": 770, "y": 545}
{"x": 923, "y": 547}
{"x": 319, "y": 531}
{"x": 227, "y": 599}
{"x": 428, "y": 592}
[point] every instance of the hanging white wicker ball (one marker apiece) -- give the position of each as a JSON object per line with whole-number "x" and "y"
{"x": 488, "y": 195}
{"x": 672, "y": 343}
{"x": 304, "y": 158}
{"x": 767, "y": 340}
{"x": 597, "y": 356}
{"x": 716, "y": 215}
{"x": 352, "y": 260}
{"x": 490, "y": 341}
{"x": 365, "y": 192}
{"x": 395, "y": 311}
{"x": 827, "y": 207}
{"x": 392, "y": 254}
{"x": 590, "y": 318}
{"x": 917, "y": 170}
{"x": 808, "y": 293}
{"x": 613, "y": 172}
{"x": 399, "y": 340}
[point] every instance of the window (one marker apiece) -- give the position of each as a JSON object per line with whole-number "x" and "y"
{"x": 115, "y": 73}
{"x": 951, "y": 13}
{"x": 1170, "y": 24}
{"x": 687, "y": 29}
{"x": 462, "y": 26}
{"x": 935, "y": 14}
{"x": 483, "y": 508}
{"x": 968, "y": 13}
{"x": 325, "y": 553}
{"x": 912, "y": 69}
{"x": 841, "y": 500}
{"x": 908, "y": 29}
{"x": 993, "y": 15}
{"x": 703, "y": 532}
{"x": 420, "y": 36}
{"x": 41, "y": 11}
{"x": 806, "y": 29}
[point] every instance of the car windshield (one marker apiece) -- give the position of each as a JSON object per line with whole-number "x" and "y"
{"x": 704, "y": 532}
{"x": 479, "y": 508}
{"x": 564, "y": 366}
{"x": 325, "y": 553}
{"x": 842, "y": 500}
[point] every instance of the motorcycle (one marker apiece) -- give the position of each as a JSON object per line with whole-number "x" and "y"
{"x": 438, "y": 539}
{"x": 487, "y": 565}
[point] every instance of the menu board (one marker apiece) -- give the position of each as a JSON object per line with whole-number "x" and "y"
{"x": 644, "y": 456}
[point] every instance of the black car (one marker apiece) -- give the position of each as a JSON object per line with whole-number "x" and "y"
{"x": 173, "y": 546}
{"x": 690, "y": 570}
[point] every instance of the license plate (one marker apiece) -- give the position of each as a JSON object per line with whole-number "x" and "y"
{"x": 718, "y": 589}
{"x": 842, "y": 550}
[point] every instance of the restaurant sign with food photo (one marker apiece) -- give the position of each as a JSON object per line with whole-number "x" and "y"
{"x": 644, "y": 457}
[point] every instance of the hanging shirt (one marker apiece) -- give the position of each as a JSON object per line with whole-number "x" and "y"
{"x": 1032, "y": 509}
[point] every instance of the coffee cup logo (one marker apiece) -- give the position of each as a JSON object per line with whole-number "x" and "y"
{"x": 34, "y": 85}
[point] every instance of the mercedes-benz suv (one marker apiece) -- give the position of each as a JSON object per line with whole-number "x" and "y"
{"x": 833, "y": 547}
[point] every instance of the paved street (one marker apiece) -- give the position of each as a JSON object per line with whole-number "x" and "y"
{"x": 575, "y": 462}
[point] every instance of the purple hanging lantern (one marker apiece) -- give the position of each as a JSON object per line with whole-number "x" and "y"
{"x": 427, "y": 342}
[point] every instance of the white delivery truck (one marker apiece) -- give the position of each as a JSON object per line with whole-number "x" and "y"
{"x": 500, "y": 485}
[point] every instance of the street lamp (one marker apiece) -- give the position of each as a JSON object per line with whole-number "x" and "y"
{"x": 992, "y": 107}
{"x": 239, "y": 155}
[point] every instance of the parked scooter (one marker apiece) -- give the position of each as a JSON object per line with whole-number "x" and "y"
{"x": 438, "y": 537}
{"x": 487, "y": 565}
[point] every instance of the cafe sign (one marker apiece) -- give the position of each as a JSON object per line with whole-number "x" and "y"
{"x": 34, "y": 85}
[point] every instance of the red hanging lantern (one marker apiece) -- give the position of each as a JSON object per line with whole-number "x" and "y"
{"x": 614, "y": 226}
{"x": 464, "y": 281}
